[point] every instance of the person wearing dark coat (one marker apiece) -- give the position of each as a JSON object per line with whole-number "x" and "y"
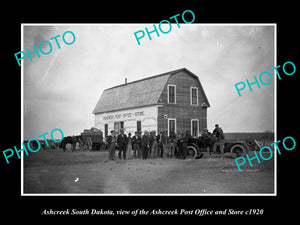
{"x": 122, "y": 143}
{"x": 111, "y": 140}
{"x": 136, "y": 143}
{"x": 172, "y": 139}
{"x": 153, "y": 145}
{"x": 162, "y": 143}
{"x": 185, "y": 141}
{"x": 180, "y": 145}
{"x": 219, "y": 134}
{"x": 145, "y": 145}
{"x": 207, "y": 137}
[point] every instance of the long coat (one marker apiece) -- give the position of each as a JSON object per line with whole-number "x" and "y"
{"x": 145, "y": 140}
{"x": 122, "y": 140}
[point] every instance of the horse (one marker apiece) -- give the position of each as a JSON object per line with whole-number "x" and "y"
{"x": 71, "y": 140}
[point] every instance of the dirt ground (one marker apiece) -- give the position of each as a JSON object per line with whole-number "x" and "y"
{"x": 58, "y": 172}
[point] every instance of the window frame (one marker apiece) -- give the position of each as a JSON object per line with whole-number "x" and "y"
{"x": 139, "y": 125}
{"x": 174, "y": 119}
{"x": 191, "y": 96}
{"x": 197, "y": 120}
{"x": 106, "y": 130}
{"x": 171, "y": 85}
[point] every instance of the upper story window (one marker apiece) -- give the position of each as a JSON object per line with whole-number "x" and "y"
{"x": 172, "y": 94}
{"x": 194, "y": 96}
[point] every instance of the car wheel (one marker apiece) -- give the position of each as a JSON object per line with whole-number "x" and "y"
{"x": 237, "y": 150}
{"x": 191, "y": 152}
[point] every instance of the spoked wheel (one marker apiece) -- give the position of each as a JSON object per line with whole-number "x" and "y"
{"x": 191, "y": 152}
{"x": 237, "y": 150}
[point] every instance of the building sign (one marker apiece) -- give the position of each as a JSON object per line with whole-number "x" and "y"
{"x": 141, "y": 119}
{"x": 124, "y": 115}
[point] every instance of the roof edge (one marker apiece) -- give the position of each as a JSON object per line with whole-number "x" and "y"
{"x": 146, "y": 78}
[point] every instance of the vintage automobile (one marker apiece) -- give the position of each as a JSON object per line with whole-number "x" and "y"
{"x": 236, "y": 147}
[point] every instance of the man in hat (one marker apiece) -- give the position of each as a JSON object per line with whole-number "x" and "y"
{"x": 153, "y": 144}
{"x": 136, "y": 142}
{"x": 111, "y": 140}
{"x": 122, "y": 143}
{"x": 219, "y": 134}
{"x": 185, "y": 141}
{"x": 206, "y": 135}
{"x": 145, "y": 144}
{"x": 173, "y": 140}
{"x": 180, "y": 145}
{"x": 162, "y": 143}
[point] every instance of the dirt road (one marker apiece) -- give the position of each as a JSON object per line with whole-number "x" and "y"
{"x": 55, "y": 171}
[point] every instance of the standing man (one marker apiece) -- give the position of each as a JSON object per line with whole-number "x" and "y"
{"x": 186, "y": 139}
{"x": 168, "y": 146}
{"x": 159, "y": 144}
{"x": 154, "y": 147}
{"x": 145, "y": 144}
{"x": 129, "y": 146}
{"x": 179, "y": 144}
{"x": 122, "y": 143}
{"x": 153, "y": 144}
{"x": 218, "y": 133}
{"x": 163, "y": 139}
{"x": 111, "y": 140}
{"x": 136, "y": 142}
{"x": 172, "y": 139}
{"x": 207, "y": 136}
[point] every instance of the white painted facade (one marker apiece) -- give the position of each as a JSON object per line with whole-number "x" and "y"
{"x": 129, "y": 119}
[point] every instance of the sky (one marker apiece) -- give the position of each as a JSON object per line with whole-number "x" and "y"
{"x": 62, "y": 88}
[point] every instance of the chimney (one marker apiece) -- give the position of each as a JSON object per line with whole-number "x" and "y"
{"x": 126, "y": 80}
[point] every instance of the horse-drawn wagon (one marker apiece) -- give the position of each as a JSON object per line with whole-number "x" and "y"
{"x": 89, "y": 139}
{"x": 92, "y": 138}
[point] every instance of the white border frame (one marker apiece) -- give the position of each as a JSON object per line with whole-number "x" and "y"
{"x": 156, "y": 194}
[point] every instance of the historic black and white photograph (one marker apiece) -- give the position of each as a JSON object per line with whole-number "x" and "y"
{"x": 143, "y": 109}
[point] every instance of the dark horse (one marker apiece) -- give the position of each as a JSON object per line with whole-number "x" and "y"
{"x": 71, "y": 140}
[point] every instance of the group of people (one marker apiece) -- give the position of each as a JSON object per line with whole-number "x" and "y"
{"x": 148, "y": 145}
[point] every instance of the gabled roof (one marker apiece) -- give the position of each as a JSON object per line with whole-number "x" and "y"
{"x": 138, "y": 93}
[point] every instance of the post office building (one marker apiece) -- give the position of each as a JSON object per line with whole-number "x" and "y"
{"x": 172, "y": 101}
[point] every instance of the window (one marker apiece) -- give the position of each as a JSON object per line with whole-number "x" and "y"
{"x": 194, "y": 96}
{"x": 118, "y": 126}
{"x": 171, "y": 126}
{"x": 122, "y": 125}
{"x": 172, "y": 94}
{"x": 194, "y": 127}
{"x": 138, "y": 126}
{"x": 105, "y": 130}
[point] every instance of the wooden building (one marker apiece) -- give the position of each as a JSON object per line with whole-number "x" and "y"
{"x": 172, "y": 101}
